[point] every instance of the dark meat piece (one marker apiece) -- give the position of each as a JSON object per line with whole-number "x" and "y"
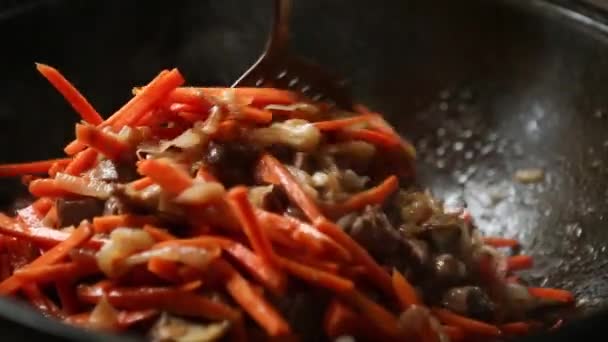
{"x": 304, "y": 311}
{"x": 448, "y": 269}
{"x": 444, "y": 232}
{"x": 375, "y": 233}
{"x": 232, "y": 162}
{"x": 72, "y": 212}
{"x": 415, "y": 207}
{"x": 110, "y": 171}
{"x": 471, "y": 301}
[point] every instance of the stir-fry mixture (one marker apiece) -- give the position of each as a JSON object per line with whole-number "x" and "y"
{"x": 208, "y": 214}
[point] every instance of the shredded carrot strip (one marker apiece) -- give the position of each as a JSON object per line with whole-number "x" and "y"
{"x": 57, "y": 272}
{"x": 375, "y": 195}
{"x": 53, "y": 255}
{"x": 41, "y": 301}
{"x": 101, "y": 141}
{"x": 373, "y": 137}
{"x": 405, "y": 291}
{"x": 256, "y": 306}
{"x": 383, "y": 321}
{"x": 517, "y": 328}
{"x": 158, "y": 234}
{"x": 74, "y": 147}
{"x": 42, "y": 205}
{"x": 144, "y": 101}
{"x": 243, "y": 210}
{"x": 82, "y": 162}
{"x": 467, "y": 324}
{"x": 334, "y": 125}
{"x": 71, "y": 94}
{"x": 40, "y": 236}
{"x": 184, "y": 107}
{"x": 67, "y": 297}
{"x": 47, "y": 187}
{"x": 298, "y": 195}
{"x": 165, "y": 269}
{"x": 141, "y": 183}
{"x": 256, "y": 115}
{"x": 106, "y": 224}
{"x": 259, "y": 96}
{"x": 455, "y": 333}
{"x": 167, "y": 174}
{"x": 559, "y": 295}
{"x": 316, "y": 276}
{"x": 519, "y": 262}
{"x": 173, "y": 300}
{"x": 269, "y": 276}
{"x": 339, "y": 320}
{"x": 496, "y": 241}
{"x": 265, "y": 273}
{"x": 37, "y": 167}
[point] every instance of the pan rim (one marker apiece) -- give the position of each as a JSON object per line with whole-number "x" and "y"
{"x": 594, "y": 20}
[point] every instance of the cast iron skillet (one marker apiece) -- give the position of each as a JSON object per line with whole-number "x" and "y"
{"x": 483, "y": 88}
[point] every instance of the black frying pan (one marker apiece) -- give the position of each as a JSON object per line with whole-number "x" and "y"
{"x": 483, "y": 88}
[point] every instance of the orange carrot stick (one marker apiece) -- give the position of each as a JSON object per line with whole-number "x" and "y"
{"x": 71, "y": 94}
{"x": 167, "y": 174}
{"x": 20, "y": 169}
{"x": 496, "y": 241}
{"x": 53, "y": 255}
{"x": 102, "y": 142}
{"x": 317, "y": 277}
{"x": 42, "y": 205}
{"x": 519, "y": 262}
{"x": 559, "y": 295}
{"x": 158, "y": 234}
{"x": 297, "y": 195}
{"x": 405, "y": 291}
{"x": 66, "y": 271}
{"x": 256, "y": 115}
{"x": 67, "y": 297}
{"x": 517, "y": 328}
{"x": 243, "y": 210}
{"x": 373, "y": 137}
{"x": 164, "y": 269}
{"x": 382, "y": 320}
{"x": 455, "y": 333}
{"x": 82, "y": 162}
{"x": 173, "y": 300}
{"x": 256, "y": 306}
{"x": 259, "y": 96}
{"x": 265, "y": 273}
{"x": 302, "y": 233}
{"x": 465, "y": 323}
{"x": 46, "y": 187}
{"x": 291, "y": 187}
{"x": 339, "y": 320}
{"x": 74, "y": 147}
{"x": 145, "y": 100}
{"x": 40, "y": 236}
{"x": 375, "y": 195}
{"x": 41, "y": 301}
{"x": 141, "y": 183}
{"x": 106, "y": 224}
{"x": 337, "y": 124}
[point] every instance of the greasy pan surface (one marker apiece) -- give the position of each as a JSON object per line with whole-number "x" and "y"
{"x": 483, "y": 88}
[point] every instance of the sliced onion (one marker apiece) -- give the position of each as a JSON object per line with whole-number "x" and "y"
{"x": 359, "y": 150}
{"x": 123, "y": 242}
{"x": 170, "y": 328}
{"x": 103, "y": 317}
{"x": 298, "y": 134}
{"x": 201, "y": 193}
{"x": 188, "y": 139}
{"x": 76, "y": 185}
{"x": 301, "y": 106}
{"x": 304, "y": 179}
{"x": 198, "y": 258}
{"x": 211, "y": 125}
{"x": 257, "y": 194}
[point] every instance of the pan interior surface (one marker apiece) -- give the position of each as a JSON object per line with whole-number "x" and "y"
{"x": 483, "y": 89}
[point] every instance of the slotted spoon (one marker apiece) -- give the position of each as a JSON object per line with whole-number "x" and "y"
{"x": 277, "y": 68}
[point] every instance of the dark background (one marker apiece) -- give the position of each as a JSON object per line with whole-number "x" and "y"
{"x": 526, "y": 79}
